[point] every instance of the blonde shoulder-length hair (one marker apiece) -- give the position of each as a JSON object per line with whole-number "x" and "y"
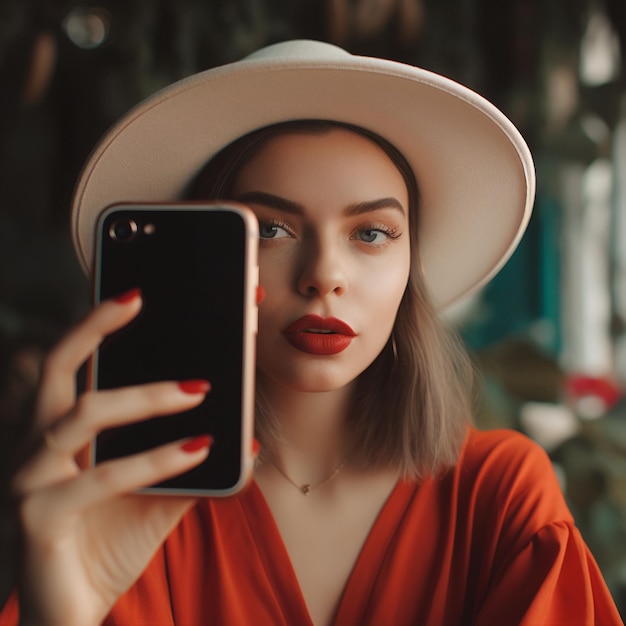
{"x": 412, "y": 405}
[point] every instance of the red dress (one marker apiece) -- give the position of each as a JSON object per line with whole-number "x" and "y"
{"x": 490, "y": 543}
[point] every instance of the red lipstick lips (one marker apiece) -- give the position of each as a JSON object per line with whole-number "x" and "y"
{"x": 319, "y": 335}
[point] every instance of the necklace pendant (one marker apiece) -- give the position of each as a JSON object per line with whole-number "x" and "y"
{"x": 306, "y": 489}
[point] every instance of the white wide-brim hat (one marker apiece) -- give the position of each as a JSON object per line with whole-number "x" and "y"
{"x": 473, "y": 168}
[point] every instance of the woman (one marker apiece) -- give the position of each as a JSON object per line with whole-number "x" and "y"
{"x": 374, "y": 501}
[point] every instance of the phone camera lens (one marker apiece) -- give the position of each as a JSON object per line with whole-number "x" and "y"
{"x": 124, "y": 230}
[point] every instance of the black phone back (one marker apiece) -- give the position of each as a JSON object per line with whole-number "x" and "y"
{"x": 195, "y": 267}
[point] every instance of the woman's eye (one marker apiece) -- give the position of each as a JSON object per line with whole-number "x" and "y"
{"x": 373, "y": 235}
{"x": 272, "y": 231}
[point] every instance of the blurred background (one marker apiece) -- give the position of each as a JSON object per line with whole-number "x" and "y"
{"x": 548, "y": 335}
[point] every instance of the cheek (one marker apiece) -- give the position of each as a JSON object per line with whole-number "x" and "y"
{"x": 392, "y": 292}
{"x": 385, "y": 284}
{"x": 275, "y": 278}
{"x": 385, "y": 302}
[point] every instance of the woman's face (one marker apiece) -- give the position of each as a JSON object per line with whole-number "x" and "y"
{"x": 334, "y": 255}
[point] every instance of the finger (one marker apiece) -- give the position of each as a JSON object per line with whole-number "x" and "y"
{"x": 126, "y": 475}
{"x": 58, "y": 387}
{"x": 95, "y": 411}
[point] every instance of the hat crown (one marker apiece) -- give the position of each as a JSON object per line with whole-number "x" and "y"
{"x": 299, "y": 50}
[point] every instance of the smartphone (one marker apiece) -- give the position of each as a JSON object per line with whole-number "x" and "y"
{"x": 197, "y": 268}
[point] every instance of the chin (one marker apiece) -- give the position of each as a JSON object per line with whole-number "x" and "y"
{"x": 319, "y": 386}
{"x": 314, "y": 378}
{"x": 307, "y": 374}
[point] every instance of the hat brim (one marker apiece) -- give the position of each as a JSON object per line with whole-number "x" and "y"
{"x": 474, "y": 170}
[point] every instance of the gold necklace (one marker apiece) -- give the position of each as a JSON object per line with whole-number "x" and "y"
{"x": 306, "y": 488}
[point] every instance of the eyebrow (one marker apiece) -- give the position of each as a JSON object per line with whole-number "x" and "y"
{"x": 288, "y": 206}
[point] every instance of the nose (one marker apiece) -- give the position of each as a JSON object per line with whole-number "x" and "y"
{"x": 322, "y": 270}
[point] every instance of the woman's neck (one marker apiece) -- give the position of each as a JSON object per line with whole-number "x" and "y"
{"x": 314, "y": 427}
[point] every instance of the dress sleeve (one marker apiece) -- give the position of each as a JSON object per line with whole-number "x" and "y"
{"x": 553, "y": 580}
{"x": 535, "y": 568}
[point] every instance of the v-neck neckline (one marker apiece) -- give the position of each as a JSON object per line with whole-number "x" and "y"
{"x": 364, "y": 574}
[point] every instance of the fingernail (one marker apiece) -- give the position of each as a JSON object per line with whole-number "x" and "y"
{"x": 128, "y": 296}
{"x": 194, "y": 386}
{"x": 256, "y": 447}
{"x": 260, "y": 294}
{"x": 197, "y": 443}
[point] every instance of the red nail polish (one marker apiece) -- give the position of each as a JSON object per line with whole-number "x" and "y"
{"x": 260, "y": 294}
{"x": 256, "y": 447}
{"x": 197, "y": 443}
{"x": 194, "y": 386}
{"x": 127, "y": 296}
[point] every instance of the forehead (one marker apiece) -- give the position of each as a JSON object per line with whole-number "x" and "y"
{"x": 338, "y": 157}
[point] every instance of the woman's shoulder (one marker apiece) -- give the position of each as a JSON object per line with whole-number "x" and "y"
{"x": 502, "y": 447}
{"x": 508, "y": 469}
